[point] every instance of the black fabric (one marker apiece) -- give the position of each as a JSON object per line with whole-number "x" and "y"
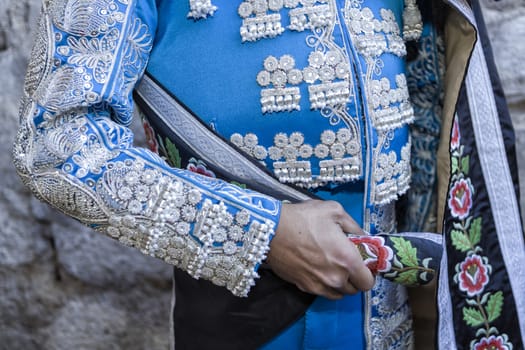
{"x": 489, "y": 246}
{"x": 209, "y": 317}
{"x": 499, "y": 279}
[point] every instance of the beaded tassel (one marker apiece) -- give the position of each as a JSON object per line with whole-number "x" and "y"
{"x": 412, "y": 22}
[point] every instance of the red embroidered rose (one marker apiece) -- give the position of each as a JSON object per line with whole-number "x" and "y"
{"x": 199, "y": 167}
{"x": 456, "y": 136}
{"x": 473, "y": 275}
{"x": 375, "y": 253}
{"x": 493, "y": 343}
{"x": 151, "y": 141}
{"x": 460, "y": 198}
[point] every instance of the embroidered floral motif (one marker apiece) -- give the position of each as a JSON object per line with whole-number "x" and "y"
{"x": 472, "y": 277}
{"x": 94, "y": 53}
{"x": 199, "y": 167}
{"x": 460, "y": 198}
{"x": 376, "y": 255}
{"x": 397, "y": 260}
{"x": 492, "y": 343}
{"x": 91, "y": 158}
{"x": 151, "y": 139}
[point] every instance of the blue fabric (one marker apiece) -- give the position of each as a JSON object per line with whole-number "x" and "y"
{"x": 227, "y": 96}
{"x": 329, "y": 324}
{"x": 214, "y": 75}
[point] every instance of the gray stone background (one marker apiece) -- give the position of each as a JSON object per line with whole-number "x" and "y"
{"x": 65, "y": 287}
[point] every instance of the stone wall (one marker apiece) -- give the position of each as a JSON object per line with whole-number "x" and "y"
{"x": 505, "y": 21}
{"x": 65, "y": 287}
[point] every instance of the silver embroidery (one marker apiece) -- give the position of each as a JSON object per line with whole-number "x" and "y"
{"x": 257, "y": 23}
{"x": 373, "y": 37}
{"x": 327, "y": 67}
{"x": 85, "y": 17}
{"x": 201, "y": 9}
{"x": 279, "y": 73}
{"x": 412, "y": 21}
{"x": 261, "y": 18}
{"x": 383, "y": 217}
{"x": 74, "y": 156}
{"x": 341, "y": 146}
{"x": 41, "y": 63}
{"x": 65, "y": 88}
{"x": 311, "y": 17}
{"x": 323, "y": 67}
{"x": 390, "y": 107}
{"x": 391, "y": 175}
{"x": 94, "y": 54}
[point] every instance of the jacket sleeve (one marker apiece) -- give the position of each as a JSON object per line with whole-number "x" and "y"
{"x": 74, "y": 151}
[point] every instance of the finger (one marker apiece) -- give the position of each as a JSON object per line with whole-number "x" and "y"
{"x": 348, "y": 289}
{"x": 348, "y": 224}
{"x": 361, "y": 278}
{"x": 359, "y": 274}
{"x": 333, "y": 294}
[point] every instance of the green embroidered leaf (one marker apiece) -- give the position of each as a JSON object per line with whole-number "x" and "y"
{"x": 472, "y": 317}
{"x": 406, "y": 252}
{"x": 475, "y": 232}
{"x": 494, "y": 306}
{"x": 465, "y": 164}
{"x": 238, "y": 184}
{"x": 162, "y": 148}
{"x": 460, "y": 241}
{"x": 407, "y": 278}
{"x": 173, "y": 154}
{"x": 454, "y": 165}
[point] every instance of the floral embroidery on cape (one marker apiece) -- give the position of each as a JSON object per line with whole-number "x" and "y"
{"x": 473, "y": 274}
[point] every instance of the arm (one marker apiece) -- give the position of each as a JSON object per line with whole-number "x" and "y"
{"x": 74, "y": 151}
